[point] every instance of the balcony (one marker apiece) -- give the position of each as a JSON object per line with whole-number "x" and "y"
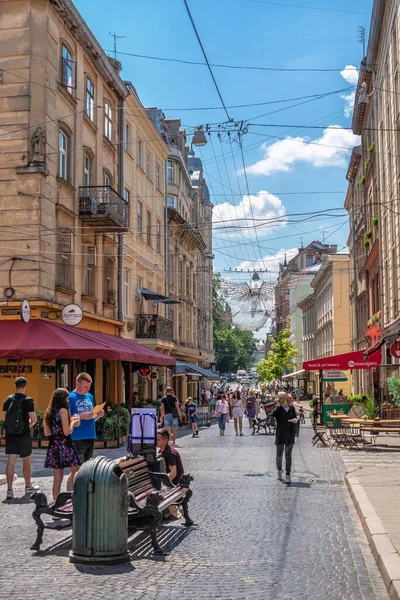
{"x": 153, "y": 327}
{"x": 102, "y": 208}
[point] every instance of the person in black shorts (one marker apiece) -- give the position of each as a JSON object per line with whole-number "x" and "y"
{"x": 19, "y": 416}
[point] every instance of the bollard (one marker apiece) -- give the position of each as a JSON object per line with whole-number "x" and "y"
{"x": 100, "y": 524}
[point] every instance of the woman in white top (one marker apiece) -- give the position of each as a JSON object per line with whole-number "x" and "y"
{"x": 237, "y": 412}
{"x": 222, "y": 410}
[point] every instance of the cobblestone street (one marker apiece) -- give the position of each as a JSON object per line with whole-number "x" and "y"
{"x": 257, "y": 537}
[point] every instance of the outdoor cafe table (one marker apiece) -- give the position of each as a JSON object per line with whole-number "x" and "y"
{"x": 357, "y": 421}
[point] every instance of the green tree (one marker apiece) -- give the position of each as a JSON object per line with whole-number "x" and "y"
{"x": 222, "y": 314}
{"x": 279, "y": 359}
{"x": 234, "y": 348}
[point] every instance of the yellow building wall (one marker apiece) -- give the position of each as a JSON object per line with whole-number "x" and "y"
{"x": 341, "y": 317}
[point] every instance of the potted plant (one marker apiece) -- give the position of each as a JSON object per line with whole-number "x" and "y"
{"x": 111, "y": 296}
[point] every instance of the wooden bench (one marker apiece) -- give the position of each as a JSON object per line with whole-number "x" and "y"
{"x": 150, "y": 495}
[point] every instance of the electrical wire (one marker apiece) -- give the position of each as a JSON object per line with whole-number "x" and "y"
{"x": 302, "y": 6}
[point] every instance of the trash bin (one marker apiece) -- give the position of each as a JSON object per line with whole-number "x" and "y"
{"x": 100, "y": 524}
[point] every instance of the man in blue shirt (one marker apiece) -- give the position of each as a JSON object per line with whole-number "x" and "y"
{"x": 81, "y": 403}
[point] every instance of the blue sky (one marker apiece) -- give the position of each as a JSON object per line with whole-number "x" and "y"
{"x": 244, "y": 32}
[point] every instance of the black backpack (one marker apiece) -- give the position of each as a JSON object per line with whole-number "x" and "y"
{"x": 15, "y": 420}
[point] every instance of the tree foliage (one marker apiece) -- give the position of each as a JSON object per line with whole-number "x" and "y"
{"x": 234, "y": 348}
{"x": 279, "y": 359}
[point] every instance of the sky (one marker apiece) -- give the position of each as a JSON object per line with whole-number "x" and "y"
{"x": 291, "y": 169}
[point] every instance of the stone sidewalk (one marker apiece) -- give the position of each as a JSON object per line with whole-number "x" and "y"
{"x": 257, "y": 537}
{"x": 373, "y": 480}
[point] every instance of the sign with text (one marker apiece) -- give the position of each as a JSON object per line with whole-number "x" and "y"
{"x": 25, "y": 311}
{"x": 345, "y": 362}
{"x": 72, "y": 314}
{"x": 395, "y": 349}
{"x": 334, "y": 375}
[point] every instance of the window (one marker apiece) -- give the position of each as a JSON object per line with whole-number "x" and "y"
{"x": 109, "y": 296}
{"x": 170, "y": 171}
{"x": 125, "y": 293}
{"x": 171, "y": 201}
{"x": 148, "y": 165}
{"x": 89, "y": 109}
{"x": 64, "y": 156}
{"x": 139, "y": 219}
{"x": 158, "y": 239}
{"x": 140, "y": 153}
{"x": 90, "y": 272}
{"x": 107, "y": 179}
{"x": 108, "y": 121}
{"x": 138, "y": 295}
{"x": 86, "y": 170}
{"x": 127, "y": 195}
{"x": 67, "y": 69}
{"x": 188, "y": 281}
{"x": 128, "y": 138}
{"x": 149, "y": 228}
{"x": 180, "y": 277}
{"x": 64, "y": 270}
{"x": 158, "y": 177}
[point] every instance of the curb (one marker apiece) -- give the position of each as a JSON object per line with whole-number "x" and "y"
{"x": 386, "y": 556}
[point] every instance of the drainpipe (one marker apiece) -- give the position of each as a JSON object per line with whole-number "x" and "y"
{"x": 121, "y": 193}
{"x": 355, "y": 283}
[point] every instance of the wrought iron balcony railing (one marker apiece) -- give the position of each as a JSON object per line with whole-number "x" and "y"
{"x": 103, "y": 209}
{"x": 153, "y": 327}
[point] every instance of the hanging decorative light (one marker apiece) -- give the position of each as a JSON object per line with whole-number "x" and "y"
{"x": 199, "y": 137}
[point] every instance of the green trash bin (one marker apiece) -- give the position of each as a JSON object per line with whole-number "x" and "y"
{"x": 100, "y": 525}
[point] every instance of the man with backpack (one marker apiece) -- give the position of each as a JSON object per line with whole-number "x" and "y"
{"x": 19, "y": 416}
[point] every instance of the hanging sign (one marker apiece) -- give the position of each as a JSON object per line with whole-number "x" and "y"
{"x": 25, "y": 311}
{"x": 395, "y": 349}
{"x": 72, "y": 314}
{"x": 153, "y": 376}
{"x": 334, "y": 375}
{"x": 144, "y": 371}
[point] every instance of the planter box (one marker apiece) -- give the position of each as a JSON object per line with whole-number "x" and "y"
{"x": 112, "y": 444}
{"x": 44, "y": 443}
{"x": 99, "y": 444}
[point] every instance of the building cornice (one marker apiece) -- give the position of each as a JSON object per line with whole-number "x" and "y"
{"x": 84, "y": 36}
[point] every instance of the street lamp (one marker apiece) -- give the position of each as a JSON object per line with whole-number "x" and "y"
{"x": 199, "y": 138}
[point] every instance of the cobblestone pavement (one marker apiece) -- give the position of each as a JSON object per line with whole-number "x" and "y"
{"x": 257, "y": 538}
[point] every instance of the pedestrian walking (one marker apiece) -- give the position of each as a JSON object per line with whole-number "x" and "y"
{"x": 170, "y": 413}
{"x": 81, "y": 404}
{"x": 286, "y": 422}
{"x": 192, "y": 413}
{"x": 58, "y": 425}
{"x": 251, "y": 407}
{"x": 19, "y": 417}
{"x": 221, "y": 411}
{"x": 291, "y": 403}
{"x": 237, "y": 412}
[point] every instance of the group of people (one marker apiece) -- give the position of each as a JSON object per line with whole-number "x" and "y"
{"x": 69, "y": 424}
{"x": 236, "y": 405}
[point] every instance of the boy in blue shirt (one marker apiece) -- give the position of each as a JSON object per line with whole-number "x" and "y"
{"x": 81, "y": 403}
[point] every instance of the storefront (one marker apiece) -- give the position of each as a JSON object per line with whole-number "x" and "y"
{"x": 51, "y": 354}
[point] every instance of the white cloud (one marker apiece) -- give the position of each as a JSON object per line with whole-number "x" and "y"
{"x": 330, "y": 150}
{"x": 349, "y": 74}
{"x": 229, "y": 219}
{"x": 270, "y": 262}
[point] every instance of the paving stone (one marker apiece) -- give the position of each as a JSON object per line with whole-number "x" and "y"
{"x": 257, "y": 537}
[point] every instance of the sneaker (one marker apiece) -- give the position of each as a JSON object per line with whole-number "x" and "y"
{"x": 279, "y": 475}
{"x": 288, "y": 479}
{"x": 31, "y": 489}
{"x": 237, "y": 433}
{"x": 241, "y": 433}
{"x": 197, "y": 434}
{"x": 10, "y": 494}
{"x": 193, "y": 435}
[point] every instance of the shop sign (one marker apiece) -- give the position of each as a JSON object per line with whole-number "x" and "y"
{"x": 14, "y": 369}
{"x": 72, "y": 314}
{"x": 25, "y": 311}
{"x": 10, "y": 312}
{"x": 334, "y": 375}
{"x": 395, "y": 349}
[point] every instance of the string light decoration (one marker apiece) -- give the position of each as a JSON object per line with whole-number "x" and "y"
{"x": 252, "y": 303}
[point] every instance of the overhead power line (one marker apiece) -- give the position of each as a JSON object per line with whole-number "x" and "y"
{"x": 320, "y": 8}
{"x": 205, "y": 57}
{"x": 242, "y": 67}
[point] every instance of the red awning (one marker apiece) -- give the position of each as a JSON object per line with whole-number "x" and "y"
{"x": 345, "y": 362}
{"x": 46, "y": 340}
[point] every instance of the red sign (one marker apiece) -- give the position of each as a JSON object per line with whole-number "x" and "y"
{"x": 345, "y": 362}
{"x": 395, "y": 349}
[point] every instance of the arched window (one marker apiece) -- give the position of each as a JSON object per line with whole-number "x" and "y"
{"x": 89, "y": 104}
{"x": 68, "y": 69}
{"x": 108, "y": 121}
